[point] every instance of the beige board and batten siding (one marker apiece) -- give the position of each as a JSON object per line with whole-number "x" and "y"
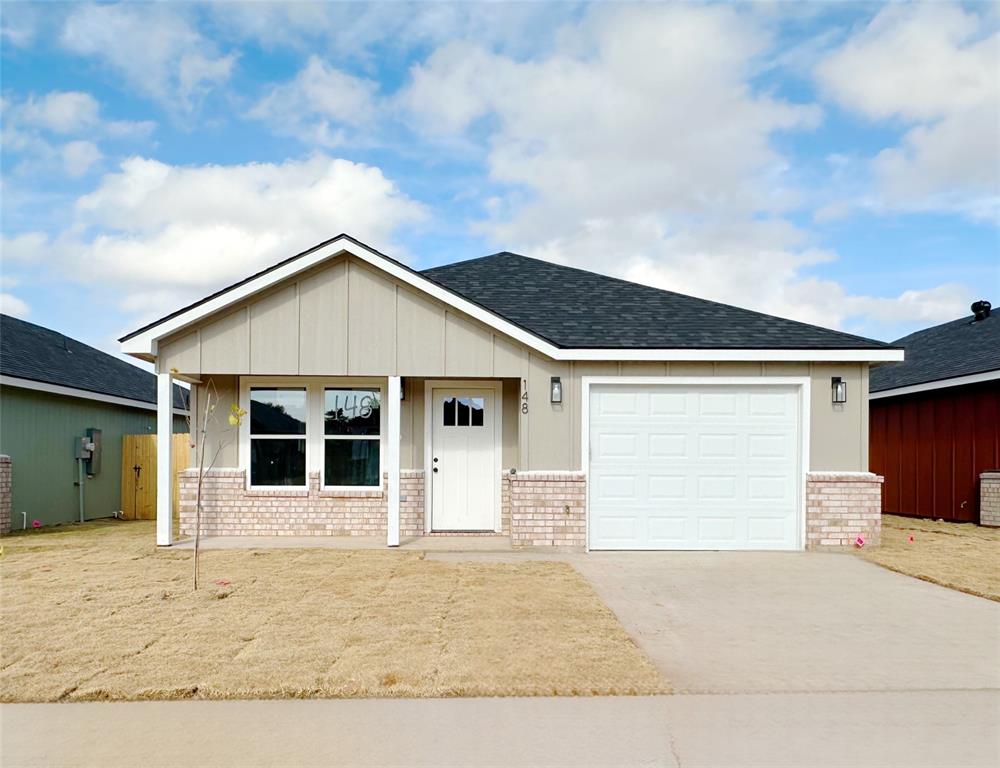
{"x": 344, "y": 318}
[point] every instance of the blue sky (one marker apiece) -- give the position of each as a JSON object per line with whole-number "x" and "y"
{"x": 835, "y": 163}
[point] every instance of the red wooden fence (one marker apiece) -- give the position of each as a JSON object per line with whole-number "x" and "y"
{"x": 931, "y": 448}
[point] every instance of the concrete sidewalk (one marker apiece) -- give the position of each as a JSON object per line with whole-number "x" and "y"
{"x": 942, "y": 728}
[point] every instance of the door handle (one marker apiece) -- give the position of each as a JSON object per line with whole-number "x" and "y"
{"x": 435, "y": 469}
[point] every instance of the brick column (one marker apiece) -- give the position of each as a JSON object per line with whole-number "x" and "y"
{"x": 6, "y": 493}
{"x": 548, "y": 509}
{"x": 989, "y": 499}
{"x": 840, "y": 506}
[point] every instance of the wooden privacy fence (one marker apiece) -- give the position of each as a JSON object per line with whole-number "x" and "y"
{"x": 139, "y": 473}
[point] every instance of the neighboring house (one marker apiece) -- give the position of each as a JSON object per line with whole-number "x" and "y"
{"x": 52, "y": 390}
{"x": 512, "y": 396}
{"x": 935, "y": 419}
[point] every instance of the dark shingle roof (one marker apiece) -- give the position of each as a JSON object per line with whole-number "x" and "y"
{"x": 959, "y": 348}
{"x": 575, "y": 308}
{"x": 29, "y": 351}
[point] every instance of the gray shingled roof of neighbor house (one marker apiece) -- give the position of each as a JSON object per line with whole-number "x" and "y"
{"x": 573, "y": 308}
{"x": 961, "y": 347}
{"x": 29, "y": 351}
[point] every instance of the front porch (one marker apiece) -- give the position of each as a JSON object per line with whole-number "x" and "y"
{"x": 301, "y": 466}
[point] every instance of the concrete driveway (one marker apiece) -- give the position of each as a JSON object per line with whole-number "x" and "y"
{"x": 778, "y": 659}
{"x": 759, "y": 622}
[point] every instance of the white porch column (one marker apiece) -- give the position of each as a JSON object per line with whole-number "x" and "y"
{"x": 394, "y": 437}
{"x": 164, "y": 459}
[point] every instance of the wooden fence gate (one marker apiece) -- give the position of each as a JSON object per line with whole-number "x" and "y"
{"x": 139, "y": 473}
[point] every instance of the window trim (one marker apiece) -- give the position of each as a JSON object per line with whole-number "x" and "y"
{"x": 314, "y": 436}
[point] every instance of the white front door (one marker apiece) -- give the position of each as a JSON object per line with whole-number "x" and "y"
{"x": 695, "y": 467}
{"x": 464, "y": 478}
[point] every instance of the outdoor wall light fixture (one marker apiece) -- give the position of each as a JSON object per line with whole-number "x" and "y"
{"x": 839, "y": 389}
{"x": 555, "y": 393}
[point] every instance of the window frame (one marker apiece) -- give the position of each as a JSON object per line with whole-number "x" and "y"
{"x": 324, "y": 437}
{"x": 315, "y": 438}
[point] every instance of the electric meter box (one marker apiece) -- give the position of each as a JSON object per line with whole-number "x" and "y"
{"x": 94, "y": 462}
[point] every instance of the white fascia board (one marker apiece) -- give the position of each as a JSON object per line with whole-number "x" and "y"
{"x": 956, "y": 381}
{"x": 738, "y": 355}
{"x": 145, "y": 343}
{"x": 83, "y": 394}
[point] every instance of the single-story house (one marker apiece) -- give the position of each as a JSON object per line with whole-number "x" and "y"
{"x": 53, "y": 389}
{"x": 935, "y": 418}
{"x": 511, "y": 396}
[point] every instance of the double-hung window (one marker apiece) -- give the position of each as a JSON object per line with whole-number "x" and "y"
{"x": 351, "y": 437}
{"x": 278, "y": 417}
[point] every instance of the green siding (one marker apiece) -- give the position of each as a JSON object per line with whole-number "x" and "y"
{"x": 37, "y": 431}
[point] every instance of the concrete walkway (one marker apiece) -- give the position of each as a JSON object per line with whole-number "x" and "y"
{"x": 433, "y": 543}
{"x": 780, "y": 659}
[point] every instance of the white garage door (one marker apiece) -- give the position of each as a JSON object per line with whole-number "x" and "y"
{"x": 694, "y": 467}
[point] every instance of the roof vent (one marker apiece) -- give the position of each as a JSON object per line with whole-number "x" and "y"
{"x": 981, "y": 309}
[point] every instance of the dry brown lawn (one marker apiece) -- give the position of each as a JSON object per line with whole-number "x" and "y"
{"x": 97, "y": 612}
{"x": 962, "y": 556}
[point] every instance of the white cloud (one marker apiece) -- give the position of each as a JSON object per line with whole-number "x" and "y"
{"x": 919, "y": 61}
{"x": 318, "y": 102}
{"x": 34, "y": 126}
{"x": 11, "y": 305}
{"x": 662, "y": 173}
{"x": 19, "y": 24}
{"x": 160, "y": 235}
{"x": 157, "y": 50}
{"x": 639, "y": 147}
{"x": 936, "y": 67}
{"x": 65, "y": 112}
{"x": 28, "y": 247}
{"x": 607, "y": 135}
{"x": 79, "y": 157}
{"x": 355, "y": 29}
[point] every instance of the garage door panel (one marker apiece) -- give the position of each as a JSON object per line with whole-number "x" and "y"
{"x": 668, "y": 404}
{"x": 617, "y": 444}
{"x": 772, "y": 532}
{"x": 713, "y": 487}
{"x": 774, "y": 445}
{"x": 717, "y": 404}
{"x": 667, "y": 531}
{"x": 770, "y": 488}
{"x": 694, "y": 467}
{"x": 718, "y": 446}
{"x": 667, "y": 445}
{"x": 618, "y": 486}
{"x": 770, "y": 405}
{"x": 666, "y": 487}
{"x": 618, "y": 404}
{"x": 618, "y": 526}
{"x": 717, "y": 530}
